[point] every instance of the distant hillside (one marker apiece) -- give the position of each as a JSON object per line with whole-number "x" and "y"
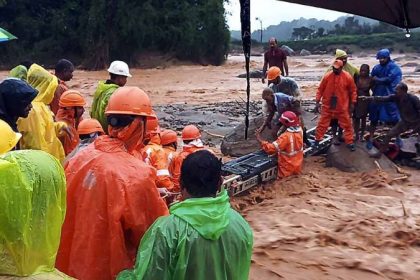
{"x": 283, "y": 31}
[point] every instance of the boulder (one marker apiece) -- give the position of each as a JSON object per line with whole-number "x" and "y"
{"x": 252, "y": 74}
{"x": 345, "y": 160}
{"x": 234, "y": 143}
{"x": 304, "y": 52}
{"x": 288, "y": 50}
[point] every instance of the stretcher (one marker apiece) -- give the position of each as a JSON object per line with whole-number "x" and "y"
{"x": 248, "y": 171}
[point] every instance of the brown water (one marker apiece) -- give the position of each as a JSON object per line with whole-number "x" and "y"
{"x": 327, "y": 224}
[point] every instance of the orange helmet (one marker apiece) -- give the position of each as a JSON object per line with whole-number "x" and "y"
{"x": 273, "y": 73}
{"x": 152, "y": 125}
{"x": 129, "y": 101}
{"x": 289, "y": 119}
{"x": 72, "y": 98}
{"x": 167, "y": 137}
{"x": 190, "y": 132}
{"x": 88, "y": 126}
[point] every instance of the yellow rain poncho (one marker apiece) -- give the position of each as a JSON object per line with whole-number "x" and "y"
{"x": 32, "y": 211}
{"x": 348, "y": 67}
{"x": 39, "y": 131}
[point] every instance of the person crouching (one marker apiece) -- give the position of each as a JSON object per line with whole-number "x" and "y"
{"x": 288, "y": 146}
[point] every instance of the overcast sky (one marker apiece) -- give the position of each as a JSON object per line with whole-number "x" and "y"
{"x": 273, "y": 12}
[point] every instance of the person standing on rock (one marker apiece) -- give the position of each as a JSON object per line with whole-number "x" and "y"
{"x": 282, "y": 84}
{"x": 386, "y": 75}
{"x": 354, "y": 72}
{"x": 118, "y": 71}
{"x": 364, "y": 84}
{"x": 288, "y": 146}
{"x": 409, "y": 108}
{"x": 275, "y": 56}
{"x": 337, "y": 92}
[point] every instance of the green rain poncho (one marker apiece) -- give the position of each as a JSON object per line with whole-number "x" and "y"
{"x": 19, "y": 72}
{"x": 32, "y": 211}
{"x": 202, "y": 239}
{"x": 100, "y": 102}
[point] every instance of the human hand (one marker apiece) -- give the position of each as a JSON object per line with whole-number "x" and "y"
{"x": 66, "y": 130}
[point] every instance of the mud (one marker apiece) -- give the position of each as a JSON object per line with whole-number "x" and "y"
{"x": 326, "y": 224}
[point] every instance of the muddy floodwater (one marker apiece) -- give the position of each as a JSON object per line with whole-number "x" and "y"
{"x": 324, "y": 224}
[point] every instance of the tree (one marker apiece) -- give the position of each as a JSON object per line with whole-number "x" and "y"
{"x": 320, "y": 32}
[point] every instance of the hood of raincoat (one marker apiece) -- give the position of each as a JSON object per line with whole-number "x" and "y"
{"x": 45, "y": 82}
{"x": 384, "y": 53}
{"x": 15, "y": 95}
{"x": 32, "y": 211}
{"x": 340, "y": 53}
{"x": 209, "y": 215}
{"x": 19, "y": 72}
{"x": 100, "y": 102}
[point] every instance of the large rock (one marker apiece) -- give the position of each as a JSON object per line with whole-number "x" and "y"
{"x": 343, "y": 159}
{"x": 288, "y": 50}
{"x": 304, "y": 52}
{"x": 234, "y": 143}
{"x": 252, "y": 74}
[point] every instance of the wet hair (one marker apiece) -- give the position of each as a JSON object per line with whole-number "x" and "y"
{"x": 268, "y": 90}
{"x": 403, "y": 86}
{"x": 63, "y": 65}
{"x": 200, "y": 174}
{"x": 364, "y": 66}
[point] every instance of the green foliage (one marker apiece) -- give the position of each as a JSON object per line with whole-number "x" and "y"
{"x": 372, "y": 41}
{"x": 94, "y": 32}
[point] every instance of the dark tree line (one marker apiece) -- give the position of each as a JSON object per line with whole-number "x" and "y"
{"x": 94, "y": 32}
{"x": 351, "y": 26}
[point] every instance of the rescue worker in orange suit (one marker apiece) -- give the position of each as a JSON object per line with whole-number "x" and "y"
{"x": 169, "y": 141}
{"x": 288, "y": 146}
{"x": 70, "y": 111}
{"x": 112, "y": 197}
{"x": 191, "y": 137}
{"x": 154, "y": 155}
{"x": 338, "y": 94}
{"x": 88, "y": 130}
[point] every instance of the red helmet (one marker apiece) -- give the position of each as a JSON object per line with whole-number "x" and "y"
{"x": 289, "y": 119}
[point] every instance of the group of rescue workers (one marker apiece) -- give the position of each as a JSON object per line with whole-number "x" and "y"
{"x": 344, "y": 102}
{"x": 105, "y": 215}
{"x": 121, "y": 171}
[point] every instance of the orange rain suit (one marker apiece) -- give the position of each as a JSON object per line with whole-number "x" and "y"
{"x": 344, "y": 88}
{"x": 154, "y": 155}
{"x": 170, "y": 154}
{"x": 289, "y": 149}
{"x": 175, "y": 166}
{"x": 67, "y": 115}
{"x": 112, "y": 200}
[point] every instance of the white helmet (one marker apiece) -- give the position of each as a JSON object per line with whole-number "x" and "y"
{"x": 118, "y": 67}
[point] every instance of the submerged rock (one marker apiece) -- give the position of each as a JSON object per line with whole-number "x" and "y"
{"x": 343, "y": 159}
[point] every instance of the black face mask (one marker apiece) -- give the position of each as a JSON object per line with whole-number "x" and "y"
{"x": 119, "y": 120}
